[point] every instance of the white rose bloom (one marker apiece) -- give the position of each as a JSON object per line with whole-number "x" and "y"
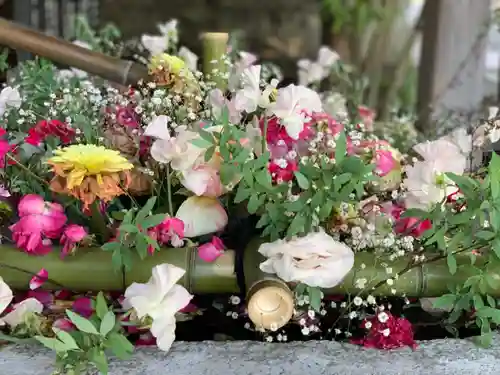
{"x": 9, "y": 97}
{"x": 160, "y": 299}
{"x": 316, "y": 260}
{"x": 189, "y": 57}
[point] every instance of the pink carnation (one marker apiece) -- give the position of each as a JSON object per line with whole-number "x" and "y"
{"x": 73, "y": 234}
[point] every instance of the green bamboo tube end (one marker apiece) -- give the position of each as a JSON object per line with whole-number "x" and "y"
{"x": 214, "y": 49}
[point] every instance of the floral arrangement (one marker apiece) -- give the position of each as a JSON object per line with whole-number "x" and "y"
{"x": 185, "y": 161}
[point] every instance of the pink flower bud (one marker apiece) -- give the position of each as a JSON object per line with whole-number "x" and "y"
{"x": 210, "y": 251}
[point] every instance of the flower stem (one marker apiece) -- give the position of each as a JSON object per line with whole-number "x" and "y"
{"x": 98, "y": 223}
{"x": 26, "y": 169}
{"x": 169, "y": 191}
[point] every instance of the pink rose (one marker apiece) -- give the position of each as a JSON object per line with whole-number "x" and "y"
{"x": 210, "y": 251}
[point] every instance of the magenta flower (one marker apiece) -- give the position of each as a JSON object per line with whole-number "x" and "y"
{"x": 210, "y": 251}
{"x": 39, "y": 222}
{"x": 83, "y": 306}
{"x": 171, "y": 230}
{"x": 72, "y": 235}
{"x": 38, "y": 280}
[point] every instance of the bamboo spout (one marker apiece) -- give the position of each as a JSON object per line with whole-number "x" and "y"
{"x": 63, "y": 52}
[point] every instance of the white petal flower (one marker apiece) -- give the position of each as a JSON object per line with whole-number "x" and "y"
{"x": 18, "y": 314}
{"x": 5, "y": 297}
{"x": 246, "y": 59}
{"x": 217, "y": 101}
{"x": 160, "y": 299}
{"x": 9, "y": 97}
{"x": 189, "y": 57}
{"x": 155, "y": 44}
{"x": 169, "y": 29}
{"x": 316, "y": 260}
{"x": 327, "y": 57}
{"x": 293, "y": 104}
{"x": 201, "y": 215}
{"x": 248, "y": 98}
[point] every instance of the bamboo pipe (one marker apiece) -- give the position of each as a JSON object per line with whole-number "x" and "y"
{"x": 23, "y": 38}
{"x": 214, "y": 48}
{"x": 269, "y": 300}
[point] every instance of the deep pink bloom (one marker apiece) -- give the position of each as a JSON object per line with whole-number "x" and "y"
{"x": 146, "y": 339}
{"x": 171, "y": 230}
{"x": 279, "y": 174}
{"x": 28, "y": 235}
{"x": 411, "y": 226}
{"x": 72, "y": 235}
{"x": 31, "y": 204}
{"x": 63, "y": 324}
{"x": 38, "y": 280}
{"x": 210, "y": 251}
{"x": 387, "y": 332}
{"x": 189, "y": 308}
{"x": 384, "y": 162}
{"x": 83, "y": 306}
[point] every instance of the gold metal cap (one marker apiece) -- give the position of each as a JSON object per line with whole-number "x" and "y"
{"x": 270, "y": 304}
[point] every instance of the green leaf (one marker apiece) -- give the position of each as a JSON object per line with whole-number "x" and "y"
{"x": 98, "y": 358}
{"x": 491, "y": 301}
{"x": 209, "y": 153}
{"x": 153, "y": 221}
{"x": 107, "y": 323}
{"x": 452, "y": 263}
{"x": 141, "y": 245}
{"x": 489, "y": 312}
{"x": 51, "y": 343}
{"x": 81, "y": 323}
{"x": 416, "y": 213}
{"x": 302, "y": 180}
{"x": 445, "y": 301}
{"x": 263, "y": 221}
{"x": 68, "y": 340}
{"x": 145, "y": 210}
{"x": 201, "y": 143}
{"x": 485, "y": 235}
{"x": 111, "y": 246}
{"x": 117, "y": 260}
{"x": 255, "y": 202}
{"x": 129, "y": 228}
{"x": 119, "y": 345}
{"x": 340, "y": 148}
{"x": 296, "y": 226}
{"x": 242, "y": 193}
{"x": 314, "y": 298}
{"x": 207, "y": 136}
{"x": 263, "y": 177}
{"x": 101, "y": 307}
{"x": 496, "y": 247}
{"x": 325, "y": 210}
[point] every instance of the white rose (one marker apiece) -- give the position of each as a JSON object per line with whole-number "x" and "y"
{"x": 316, "y": 260}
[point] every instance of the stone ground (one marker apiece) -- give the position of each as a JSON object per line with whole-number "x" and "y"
{"x": 437, "y": 357}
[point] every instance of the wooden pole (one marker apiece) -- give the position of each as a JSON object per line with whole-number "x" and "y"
{"x": 22, "y": 38}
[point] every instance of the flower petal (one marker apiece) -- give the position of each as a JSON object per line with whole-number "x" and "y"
{"x": 202, "y": 215}
{"x": 38, "y": 280}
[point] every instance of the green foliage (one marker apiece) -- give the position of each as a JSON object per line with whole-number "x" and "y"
{"x": 133, "y": 235}
{"x": 87, "y": 344}
{"x": 459, "y": 233}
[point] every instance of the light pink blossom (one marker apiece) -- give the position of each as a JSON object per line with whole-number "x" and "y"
{"x": 63, "y": 324}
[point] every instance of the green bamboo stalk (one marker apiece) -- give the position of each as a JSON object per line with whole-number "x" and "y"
{"x": 214, "y": 48}
{"x": 91, "y": 270}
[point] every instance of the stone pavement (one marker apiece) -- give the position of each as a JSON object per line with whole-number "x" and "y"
{"x": 437, "y": 357}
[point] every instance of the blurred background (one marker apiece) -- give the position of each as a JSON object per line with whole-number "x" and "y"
{"x": 428, "y": 58}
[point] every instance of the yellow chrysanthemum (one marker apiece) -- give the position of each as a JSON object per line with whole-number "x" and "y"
{"x": 169, "y": 63}
{"x": 89, "y": 172}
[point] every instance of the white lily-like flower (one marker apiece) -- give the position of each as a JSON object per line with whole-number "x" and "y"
{"x": 293, "y": 106}
{"x": 314, "y": 71}
{"x": 178, "y": 150}
{"x": 315, "y": 259}
{"x": 18, "y": 314}
{"x": 248, "y": 98}
{"x": 217, "y": 101}
{"x": 160, "y": 299}
{"x": 9, "y": 97}
{"x": 155, "y": 44}
{"x": 170, "y": 29}
{"x": 189, "y": 57}
{"x": 202, "y": 215}
{"x": 246, "y": 60}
